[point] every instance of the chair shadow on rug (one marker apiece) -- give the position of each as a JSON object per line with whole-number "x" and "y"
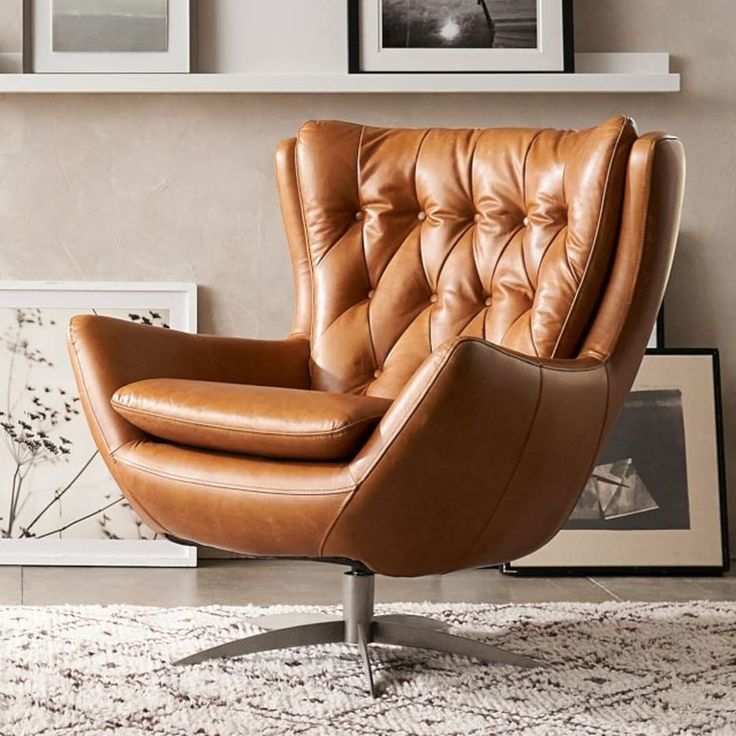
{"x": 472, "y": 307}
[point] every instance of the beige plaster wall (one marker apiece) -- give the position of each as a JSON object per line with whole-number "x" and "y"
{"x": 10, "y": 20}
{"x": 181, "y": 187}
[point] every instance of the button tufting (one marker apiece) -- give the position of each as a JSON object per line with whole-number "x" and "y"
{"x": 497, "y": 277}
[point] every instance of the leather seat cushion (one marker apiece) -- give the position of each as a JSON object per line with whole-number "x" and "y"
{"x": 288, "y": 423}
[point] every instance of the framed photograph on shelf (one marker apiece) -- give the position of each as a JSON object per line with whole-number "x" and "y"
{"x": 58, "y": 503}
{"x": 655, "y": 503}
{"x": 460, "y": 36}
{"x": 114, "y": 36}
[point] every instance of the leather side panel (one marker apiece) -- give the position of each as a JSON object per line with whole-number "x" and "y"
{"x": 239, "y": 504}
{"x": 477, "y": 434}
{"x": 650, "y": 224}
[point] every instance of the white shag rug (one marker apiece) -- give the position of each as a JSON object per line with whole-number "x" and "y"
{"x": 615, "y": 668}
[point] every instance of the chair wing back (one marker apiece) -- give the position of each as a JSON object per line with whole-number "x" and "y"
{"x": 403, "y": 238}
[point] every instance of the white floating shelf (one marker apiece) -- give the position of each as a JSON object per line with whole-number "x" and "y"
{"x": 610, "y": 73}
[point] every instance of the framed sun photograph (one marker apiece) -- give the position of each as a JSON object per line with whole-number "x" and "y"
{"x": 655, "y": 502}
{"x": 460, "y": 36}
{"x": 58, "y": 503}
{"x": 109, "y": 36}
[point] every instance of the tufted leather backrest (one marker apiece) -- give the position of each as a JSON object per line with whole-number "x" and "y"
{"x": 415, "y": 236}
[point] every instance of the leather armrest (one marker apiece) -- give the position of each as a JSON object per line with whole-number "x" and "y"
{"x": 109, "y": 353}
{"x": 502, "y": 379}
{"x": 479, "y": 435}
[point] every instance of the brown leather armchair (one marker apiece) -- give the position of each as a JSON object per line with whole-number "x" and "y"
{"x": 472, "y": 308}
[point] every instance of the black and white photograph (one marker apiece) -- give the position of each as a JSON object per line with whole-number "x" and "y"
{"x": 640, "y": 481}
{"x": 655, "y": 501}
{"x": 461, "y": 24}
{"x": 460, "y": 36}
{"x": 110, "y": 25}
{"x": 109, "y": 36}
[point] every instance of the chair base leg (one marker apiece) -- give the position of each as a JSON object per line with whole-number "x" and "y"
{"x": 420, "y": 637}
{"x": 275, "y": 621}
{"x": 326, "y": 632}
{"x": 358, "y": 626}
{"x": 424, "y": 622}
{"x": 363, "y": 641}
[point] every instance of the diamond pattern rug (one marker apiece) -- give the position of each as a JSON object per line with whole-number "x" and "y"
{"x": 614, "y": 668}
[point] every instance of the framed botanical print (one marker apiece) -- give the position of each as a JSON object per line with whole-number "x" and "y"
{"x": 58, "y": 502}
{"x": 109, "y": 36}
{"x": 460, "y": 36}
{"x": 655, "y": 502}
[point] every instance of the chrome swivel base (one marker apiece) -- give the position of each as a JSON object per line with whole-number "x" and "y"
{"x": 358, "y": 626}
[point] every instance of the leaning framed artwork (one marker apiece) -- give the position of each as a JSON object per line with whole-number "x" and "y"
{"x": 460, "y": 36}
{"x": 655, "y": 503}
{"x": 114, "y": 36}
{"x": 58, "y": 502}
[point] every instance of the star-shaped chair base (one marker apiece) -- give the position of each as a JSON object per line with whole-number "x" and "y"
{"x": 361, "y": 627}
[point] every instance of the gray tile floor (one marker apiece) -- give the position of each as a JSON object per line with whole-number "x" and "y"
{"x": 266, "y": 582}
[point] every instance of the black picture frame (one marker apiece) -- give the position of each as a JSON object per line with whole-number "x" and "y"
{"x": 354, "y": 41}
{"x": 657, "y": 338}
{"x": 661, "y": 344}
{"x": 666, "y": 570}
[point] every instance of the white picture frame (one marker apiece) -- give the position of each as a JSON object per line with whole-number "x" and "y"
{"x": 36, "y": 377}
{"x": 553, "y": 51}
{"x": 41, "y": 58}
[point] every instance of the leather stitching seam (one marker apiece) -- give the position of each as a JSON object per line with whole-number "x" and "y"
{"x": 308, "y": 249}
{"x": 536, "y": 291}
{"x": 594, "y": 249}
{"x": 646, "y": 196}
{"x": 534, "y": 139}
{"x": 503, "y": 250}
{"x": 513, "y": 324}
{"x": 529, "y": 360}
{"x": 80, "y": 372}
{"x": 384, "y": 449}
{"x": 461, "y": 235}
{"x": 371, "y": 341}
{"x": 234, "y": 486}
{"x": 411, "y": 410}
{"x": 512, "y": 475}
{"x": 98, "y": 424}
{"x": 416, "y": 197}
{"x": 311, "y": 434}
{"x": 641, "y": 235}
